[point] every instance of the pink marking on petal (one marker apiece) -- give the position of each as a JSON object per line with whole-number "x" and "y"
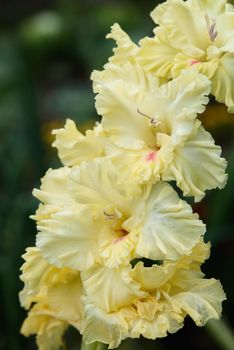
{"x": 119, "y": 239}
{"x": 194, "y": 62}
{"x": 151, "y": 156}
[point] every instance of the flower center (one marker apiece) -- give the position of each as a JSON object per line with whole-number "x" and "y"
{"x": 116, "y": 221}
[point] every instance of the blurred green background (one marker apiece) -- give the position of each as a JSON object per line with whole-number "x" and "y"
{"x": 47, "y": 52}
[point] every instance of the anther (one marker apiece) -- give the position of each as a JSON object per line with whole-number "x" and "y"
{"x": 109, "y": 216}
{"x": 211, "y": 27}
{"x": 153, "y": 121}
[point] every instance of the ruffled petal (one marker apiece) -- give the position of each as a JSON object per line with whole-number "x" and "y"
{"x": 211, "y": 7}
{"x": 199, "y": 254}
{"x": 119, "y": 103}
{"x": 225, "y": 30}
{"x": 69, "y": 309}
{"x": 98, "y": 183}
{"x": 127, "y": 72}
{"x": 108, "y": 328}
{"x": 33, "y": 271}
{"x": 73, "y": 147}
{"x": 48, "y": 328}
{"x": 186, "y": 27}
{"x": 69, "y": 238}
{"x": 202, "y": 302}
{"x": 45, "y": 283}
{"x": 223, "y": 81}
{"x": 182, "y": 61}
{"x": 126, "y": 49}
{"x": 197, "y": 165}
{"x": 170, "y": 229}
{"x": 156, "y": 54}
{"x": 176, "y": 104}
{"x": 162, "y": 324}
{"x": 54, "y": 190}
{"x": 147, "y": 308}
{"x": 151, "y": 278}
{"x": 156, "y": 276}
{"x": 110, "y": 289}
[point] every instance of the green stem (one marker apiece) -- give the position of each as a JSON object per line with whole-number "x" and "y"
{"x": 93, "y": 346}
{"x": 221, "y": 333}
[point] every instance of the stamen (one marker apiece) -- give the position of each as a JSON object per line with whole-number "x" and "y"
{"x": 211, "y": 27}
{"x": 153, "y": 121}
{"x": 109, "y": 216}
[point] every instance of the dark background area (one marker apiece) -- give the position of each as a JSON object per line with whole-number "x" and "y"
{"x": 47, "y": 52}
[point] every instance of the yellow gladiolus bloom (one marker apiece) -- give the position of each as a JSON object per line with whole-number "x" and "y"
{"x": 161, "y": 297}
{"x": 153, "y": 131}
{"x": 48, "y": 287}
{"x": 48, "y": 328}
{"x": 193, "y": 33}
{"x": 111, "y": 222}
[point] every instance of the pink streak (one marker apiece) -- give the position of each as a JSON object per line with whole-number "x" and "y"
{"x": 117, "y": 240}
{"x": 194, "y": 62}
{"x": 151, "y": 156}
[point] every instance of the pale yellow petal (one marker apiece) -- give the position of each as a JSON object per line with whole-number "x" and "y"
{"x": 197, "y": 165}
{"x": 65, "y": 300}
{"x": 202, "y": 302}
{"x": 110, "y": 289}
{"x": 187, "y": 28}
{"x": 223, "y": 81}
{"x": 156, "y": 276}
{"x": 151, "y": 278}
{"x": 108, "y": 328}
{"x": 126, "y": 72}
{"x": 170, "y": 229}
{"x": 73, "y": 147}
{"x": 199, "y": 254}
{"x": 33, "y": 271}
{"x": 156, "y": 54}
{"x": 162, "y": 324}
{"x": 119, "y": 102}
{"x": 210, "y": 7}
{"x": 225, "y": 29}
{"x": 182, "y": 61}
{"x": 69, "y": 238}
{"x": 54, "y": 190}
{"x": 148, "y": 307}
{"x": 98, "y": 183}
{"x": 49, "y": 330}
{"x": 126, "y": 49}
{"x": 176, "y": 104}
{"x": 47, "y": 284}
